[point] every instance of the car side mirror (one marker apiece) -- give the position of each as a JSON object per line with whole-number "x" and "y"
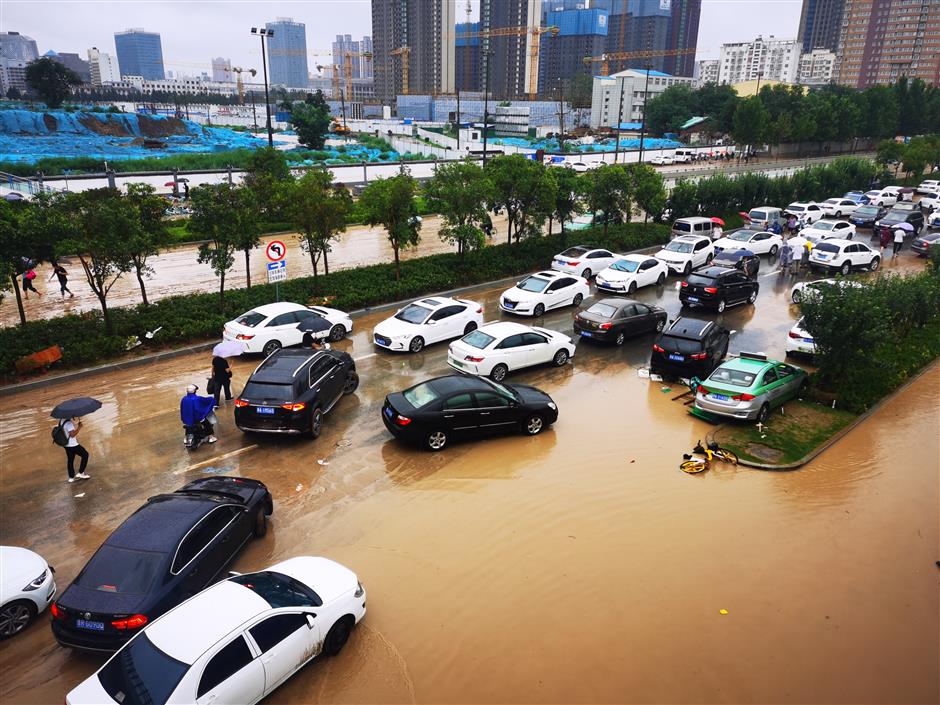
{"x": 432, "y": 322}
{"x": 310, "y": 620}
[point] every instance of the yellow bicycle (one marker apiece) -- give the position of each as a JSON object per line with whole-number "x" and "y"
{"x": 700, "y": 459}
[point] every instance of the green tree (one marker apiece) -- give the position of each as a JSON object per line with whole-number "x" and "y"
{"x": 459, "y": 192}
{"x": 648, "y": 189}
{"x": 915, "y": 158}
{"x": 13, "y": 93}
{"x": 219, "y": 211}
{"x": 10, "y": 259}
{"x": 609, "y": 190}
{"x": 391, "y": 204}
{"x": 880, "y": 114}
{"x": 667, "y": 111}
{"x": 52, "y": 81}
{"x": 523, "y": 188}
{"x": 318, "y": 208}
{"x": 311, "y": 121}
{"x": 751, "y": 122}
{"x": 265, "y": 171}
{"x": 42, "y": 224}
{"x": 804, "y": 129}
{"x": 569, "y": 200}
{"x": 151, "y": 236}
{"x": 580, "y": 89}
{"x": 889, "y": 151}
{"x": 717, "y": 102}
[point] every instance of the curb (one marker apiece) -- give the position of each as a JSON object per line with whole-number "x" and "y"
{"x": 832, "y": 440}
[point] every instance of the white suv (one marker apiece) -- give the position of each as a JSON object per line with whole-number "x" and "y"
{"x": 686, "y": 252}
{"x": 881, "y": 197}
{"x": 844, "y": 256}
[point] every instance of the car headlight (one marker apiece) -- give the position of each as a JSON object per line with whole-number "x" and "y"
{"x": 37, "y": 583}
{"x": 400, "y": 337}
{"x": 551, "y": 405}
{"x": 360, "y": 591}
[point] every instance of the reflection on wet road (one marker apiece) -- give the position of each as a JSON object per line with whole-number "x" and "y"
{"x": 579, "y": 565}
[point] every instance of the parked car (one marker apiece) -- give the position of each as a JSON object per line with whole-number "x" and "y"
{"x": 804, "y": 290}
{"x": 685, "y": 253}
{"x": 902, "y": 193}
{"x": 695, "y": 225}
{"x": 809, "y": 212}
{"x": 662, "y": 160}
{"x": 858, "y": 197}
{"x": 800, "y": 341}
{"x": 583, "y": 261}
{"x": 27, "y": 587}
{"x": 922, "y": 244}
{"x": 828, "y": 229}
{"x": 837, "y": 207}
{"x": 742, "y": 260}
{"x": 580, "y": 222}
{"x": 630, "y": 272}
{"x": 866, "y": 216}
{"x": 497, "y": 348}
{"x": 905, "y": 206}
{"x": 614, "y": 320}
{"x": 538, "y": 293}
{"x": 933, "y": 220}
{"x": 235, "y": 642}
{"x": 718, "y": 288}
{"x": 168, "y": 550}
{"x": 760, "y": 242}
{"x": 273, "y": 326}
{"x": 579, "y": 167}
{"x": 764, "y": 217}
{"x": 689, "y": 347}
{"x": 928, "y": 186}
{"x": 456, "y": 407}
{"x": 843, "y": 256}
{"x": 292, "y": 390}
{"x": 749, "y": 386}
{"x": 881, "y": 197}
{"x": 929, "y": 202}
{"x": 427, "y": 321}
{"x": 913, "y": 217}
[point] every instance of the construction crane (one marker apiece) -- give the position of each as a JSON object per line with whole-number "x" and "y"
{"x": 605, "y": 59}
{"x": 240, "y": 87}
{"x": 533, "y": 61}
{"x": 347, "y": 68}
{"x": 404, "y": 52}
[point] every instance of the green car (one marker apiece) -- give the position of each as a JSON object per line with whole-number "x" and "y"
{"x": 749, "y": 386}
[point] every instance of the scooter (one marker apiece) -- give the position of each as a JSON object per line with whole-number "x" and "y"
{"x": 197, "y": 434}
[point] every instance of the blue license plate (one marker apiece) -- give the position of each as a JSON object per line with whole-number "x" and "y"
{"x": 807, "y": 340}
{"x": 265, "y": 410}
{"x": 822, "y": 256}
{"x": 677, "y": 358}
{"x": 693, "y": 299}
{"x": 388, "y": 411}
{"x": 91, "y": 626}
{"x": 508, "y": 304}
{"x": 586, "y": 334}
{"x": 719, "y": 397}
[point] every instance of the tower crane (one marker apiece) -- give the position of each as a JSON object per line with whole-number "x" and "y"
{"x": 605, "y": 59}
{"x": 240, "y": 87}
{"x": 405, "y": 53}
{"x": 532, "y": 83}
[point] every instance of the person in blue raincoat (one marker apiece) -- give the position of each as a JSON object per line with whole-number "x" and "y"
{"x": 786, "y": 257}
{"x": 195, "y": 409}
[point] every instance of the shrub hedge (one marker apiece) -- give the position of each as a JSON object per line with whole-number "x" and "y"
{"x": 196, "y": 317}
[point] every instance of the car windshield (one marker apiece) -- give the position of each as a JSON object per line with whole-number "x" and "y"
{"x": 413, "y": 314}
{"x": 268, "y": 392}
{"x": 741, "y": 236}
{"x": 502, "y": 389}
{"x": 122, "y": 570}
{"x": 894, "y": 218}
{"x": 251, "y": 319}
{"x": 574, "y": 252}
{"x": 534, "y": 284}
{"x": 477, "y": 339}
{"x": 278, "y": 590}
{"x": 757, "y": 215}
{"x": 738, "y": 378}
{"x": 867, "y": 210}
{"x": 823, "y": 225}
{"x": 421, "y": 394}
{"x": 795, "y": 208}
{"x": 625, "y": 265}
{"x": 605, "y": 310}
{"x": 679, "y": 225}
{"x": 676, "y": 246}
{"x": 141, "y": 674}
{"x": 826, "y": 247}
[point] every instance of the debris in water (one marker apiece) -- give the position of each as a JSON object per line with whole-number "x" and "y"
{"x": 80, "y": 494}
{"x": 722, "y": 611}
{"x": 321, "y": 461}
{"x": 643, "y": 372}
{"x": 665, "y": 390}
{"x": 633, "y": 461}
{"x": 656, "y": 378}
{"x": 298, "y": 488}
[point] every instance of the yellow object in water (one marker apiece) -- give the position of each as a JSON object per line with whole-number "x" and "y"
{"x": 722, "y": 611}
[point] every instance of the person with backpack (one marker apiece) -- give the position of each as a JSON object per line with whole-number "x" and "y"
{"x": 65, "y": 434}
{"x": 28, "y": 277}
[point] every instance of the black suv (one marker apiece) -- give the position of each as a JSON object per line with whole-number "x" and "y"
{"x": 291, "y": 390}
{"x": 914, "y": 217}
{"x": 717, "y": 288}
{"x": 865, "y": 216}
{"x": 689, "y": 347}
{"x": 743, "y": 260}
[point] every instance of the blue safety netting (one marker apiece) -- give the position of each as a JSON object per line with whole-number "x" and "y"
{"x": 551, "y": 145}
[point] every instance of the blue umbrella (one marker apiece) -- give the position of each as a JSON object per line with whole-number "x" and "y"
{"x": 79, "y": 406}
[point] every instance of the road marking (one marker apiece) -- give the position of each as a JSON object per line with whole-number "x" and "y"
{"x": 146, "y": 417}
{"x": 363, "y": 357}
{"x": 216, "y": 459}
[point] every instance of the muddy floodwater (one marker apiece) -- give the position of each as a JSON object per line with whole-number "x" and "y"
{"x": 577, "y": 566}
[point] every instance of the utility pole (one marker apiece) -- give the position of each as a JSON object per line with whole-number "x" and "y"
{"x": 646, "y": 96}
{"x": 561, "y": 112}
{"x": 619, "y": 121}
{"x": 342, "y": 102}
{"x": 486, "y": 101}
{"x": 458, "y": 119}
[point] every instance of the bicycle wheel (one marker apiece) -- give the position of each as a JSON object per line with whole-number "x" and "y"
{"x": 693, "y": 466}
{"x": 728, "y": 456}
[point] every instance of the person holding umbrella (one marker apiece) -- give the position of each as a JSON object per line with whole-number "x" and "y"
{"x": 66, "y": 433}
{"x": 717, "y": 232}
{"x": 898, "y": 240}
{"x": 315, "y": 328}
{"x": 221, "y": 371}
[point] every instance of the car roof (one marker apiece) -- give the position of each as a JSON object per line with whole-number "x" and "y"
{"x": 827, "y": 220}
{"x": 501, "y": 329}
{"x": 580, "y": 247}
{"x": 734, "y": 254}
{"x": 747, "y": 364}
{"x": 456, "y": 383}
{"x": 162, "y": 523}
{"x": 634, "y": 257}
{"x": 619, "y": 303}
{"x": 188, "y": 631}
{"x": 549, "y": 275}
{"x": 275, "y": 309}
{"x": 281, "y": 366}
{"x": 714, "y": 272}
{"x": 691, "y": 238}
{"x": 695, "y": 219}
{"x": 433, "y": 301}
{"x": 689, "y": 328}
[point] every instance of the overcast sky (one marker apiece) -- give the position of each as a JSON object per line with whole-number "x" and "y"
{"x": 194, "y": 31}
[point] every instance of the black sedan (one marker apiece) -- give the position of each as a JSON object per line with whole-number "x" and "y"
{"x": 456, "y": 407}
{"x": 742, "y": 260}
{"x": 717, "y": 288}
{"x": 923, "y": 244}
{"x": 866, "y": 216}
{"x": 614, "y": 320}
{"x": 165, "y": 552}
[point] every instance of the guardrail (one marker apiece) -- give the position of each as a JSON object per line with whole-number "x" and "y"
{"x": 23, "y": 185}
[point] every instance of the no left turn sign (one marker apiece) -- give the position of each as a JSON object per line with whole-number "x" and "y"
{"x": 275, "y": 250}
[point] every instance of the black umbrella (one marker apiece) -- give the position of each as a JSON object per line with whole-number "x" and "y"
{"x": 75, "y": 407}
{"x": 314, "y": 324}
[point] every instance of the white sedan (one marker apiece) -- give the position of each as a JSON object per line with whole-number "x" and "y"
{"x": 234, "y": 642}
{"x": 800, "y": 341}
{"x": 804, "y": 290}
{"x": 273, "y": 326}
{"x": 828, "y": 229}
{"x": 426, "y": 321}
{"x": 630, "y": 272}
{"x": 541, "y": 291}
{"x": 663, "y": 160}
{"x": 760, "y": 243}
{"x": 27, "y": 586}
{"x": 499, "y": 347}
{"x": 838, "y": 207}
{"x": 933, "y": 220}
{"x": 808, "y": 212}
{"x": 583, "y": 261}
{"x": 930, "y": 201}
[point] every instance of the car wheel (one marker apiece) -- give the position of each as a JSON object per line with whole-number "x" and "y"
{"x": 721, "y": 306}
{"x": 261, "y": 524}
{"x": 337, "y": 637}
{"x": 752, "y": 298}
{"x": 337, "y": 332}
{"x": 875, "y": 263}
{"x": 498, "y": 373}
{"x": 470, "y": 327}
{"x": 270, "y": 347}
{"x": 662, "y": 278}
{"x": 578, "y": 298}
{"x": 797, "y": 296}
{"x": 533, "y": 425}
{"x": 763, "y": 414}
{"x": 538, "y": 311}
{"x": 352, "y": 382}
{"x": 435, "y": 441}
{"x": 846, "y": 268}
{"x": 316, "y": 423}
{"x": 586, "y": 274}
{"x": 561, "y": 357}
{"x": 838, "y": 214}
{"x": 632, "y": 288}
{"x": 688, "y": 269}
{"x": 660, "y": 324}
{"x": 773, "y": 251}
{"x": 14, "y": 617}
{"x": 618, "y": 341}
{"x": 708, "y": 260}
{"x": 416, "y": 344}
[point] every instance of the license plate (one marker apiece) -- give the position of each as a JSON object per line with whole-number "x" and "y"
{"x": 264, "y": 410}
{"x": 693, "y": 299}
{"x": 807, "y": 340}
{"x": 719, "y": 397}
{"x": 458, "y": 363}
{"x": 92, "y": 626}
{"x": 561, "y": 262}
{"x": 586, "y": 334}
{"x": 387, "y": 411}
{"x": 822, "y": 257}
{"x": 509, "y": 304}
{"x": 676, "y": 358}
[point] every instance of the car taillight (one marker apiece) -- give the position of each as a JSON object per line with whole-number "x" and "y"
{"x": 699, "y": 356}
{"x": 402, "y": 420}
{"x": 574, "y": 264}
{"x": 294, "y": 407}
{"x": 684, "y": 284}
{"x": 656, "y": 348}
{"x": 58, "y": 612}
{"x": 606, "y": 326}
{"x": 242, "y": 336}
{"x": 135, "y": 622}
{"x": 743, "y": 397}
{"x": 480, "y": 310}
{"x": 471, "y": 358}
{"x": 794, "y": 335}
{"x": 240, "y": 403}
{"x": 711, "y": 289}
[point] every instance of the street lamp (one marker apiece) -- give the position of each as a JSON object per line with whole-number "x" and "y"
{"x": 262, "y": 33}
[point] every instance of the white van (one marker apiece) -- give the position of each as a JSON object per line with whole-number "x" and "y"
{"x": 764, "y": 217}
{"x": 693, "y": 226}
{"x": 684, "y": 156}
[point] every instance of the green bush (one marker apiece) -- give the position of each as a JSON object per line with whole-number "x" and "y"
{"x": 195, "y": 317}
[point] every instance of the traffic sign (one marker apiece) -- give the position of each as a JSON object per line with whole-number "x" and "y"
{"x": 275, "y": 250}
{"x": 277, "y": 271}
{"x": 282, "y": 264}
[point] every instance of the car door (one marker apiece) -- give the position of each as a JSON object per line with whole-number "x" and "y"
{"x": 717, "y": 344}
{"x": 645, "y": 319}
{"x": 231, "y": 676}
{"x": 768, "y": 387}
{"x": 331, "y": 378}
{"x": 202, "y": 553}
{"x": 458, "y": 415}
{"x": 760, "y": 244}
{"x": 864, "y": 255}
{"x": 646, "y": 273}
{"x": 321, "y": 391}
{"x": 699, "y": 253}
{"x": 495, "y": 413}
{"x": 627, "y": 320}
{"x": 556, "y": 292}
{"x": 448, "y": 322}
{"x": 600, "y": 260}
{"x": 787, "y": 382}
{"x": 536, "y": 348}
{"x": 739, "y": 286}
{"x": 285, "y": 641}
{"x": 510, "y": 351}
{"x": 283, "y": 328}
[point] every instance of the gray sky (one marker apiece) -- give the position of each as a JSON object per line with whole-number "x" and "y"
{"x": 194, "y": 31}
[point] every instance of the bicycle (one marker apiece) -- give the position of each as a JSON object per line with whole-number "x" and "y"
{"x": 701, "y": 458}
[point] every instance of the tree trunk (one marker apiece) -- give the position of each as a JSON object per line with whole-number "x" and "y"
{"x": 509, "y": 221}
{"x": 313, "y": 263}
{"x": 550, "y": 221}
{"x": 143, "y": 290}
{"x": 562, "y": 233}
{"x": 222, "y": 292}
{"x": 248, "y": 266}
{"x": 108, "y": 327}
{"x": 19, "y": 299}
{"x": 397, "y": 264}
{"x": 606, "y": 221}
{"x": 326, "y": 262}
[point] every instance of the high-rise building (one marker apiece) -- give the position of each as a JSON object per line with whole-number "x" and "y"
{"x": 622, "y": 96}
{"x": 653, "y": 25}
{"x": 344, "y": 43}
{"x": 769, "y": 59}
{"x": 581, "y": 33}
{"x": 222, "y": 70}
{"x": 820, "y": 23}
{"x": 139, "y": 53}
{"x": 71, "y": 61}
{"x": 103, "y": 67}
{"x": 12, "y": 75}
{"x": 287, "y": 53}
{"x": 817, "y": 68}
{"x": 422, "y": 32}
{"x": 882, "y": 40}
{"x": 467, "y": 58}
{"x": 706, "y": 71}
{"x": 19, "y": 47}
{"x": 513, "y": 65}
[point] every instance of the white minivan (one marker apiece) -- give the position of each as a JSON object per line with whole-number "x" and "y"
{"x": 684, "y": 156}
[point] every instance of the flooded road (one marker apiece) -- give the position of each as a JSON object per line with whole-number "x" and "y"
{"x": 579, "y": 565}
